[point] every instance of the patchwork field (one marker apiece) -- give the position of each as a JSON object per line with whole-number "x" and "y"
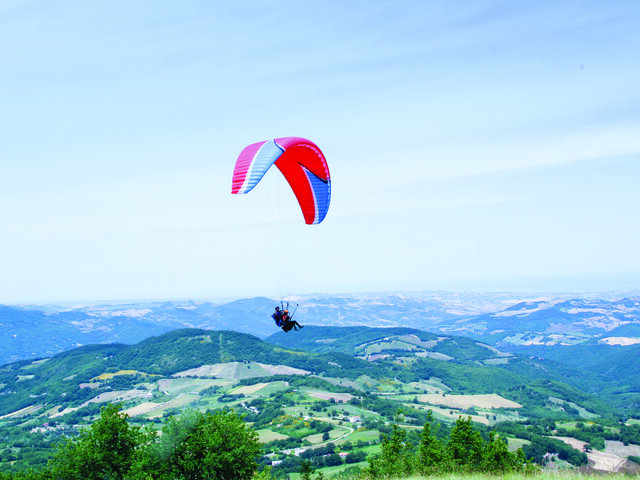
{"x": 240, "y": 370}
{"x": 604, "y": 461}
{"x": 108, "y": 376}
{"x": 449, "y": 415}
{"x": 266, "y": 435}
{"x": 488, "y": 401}
{"x": 260, "y": 388}
{"x": 108, "y": 397}
{"x": 142, "y": 409}
{"x": 618, "y": 448}
{"x": 172, "y": 386}
{"x": 415, "y": 340}
{"x": 338, "y": 397}
{"x": 23, "y": 411}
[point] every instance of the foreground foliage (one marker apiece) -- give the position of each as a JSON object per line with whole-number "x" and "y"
{"x": 464, "y": 451}
{"x": 193, "y": 446}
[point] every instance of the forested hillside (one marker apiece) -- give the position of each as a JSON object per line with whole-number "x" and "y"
{"x": 467, "y": 365}
{"x": 340, "y": 392}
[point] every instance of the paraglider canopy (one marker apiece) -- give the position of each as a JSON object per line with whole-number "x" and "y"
{"x": 302, "y": 164}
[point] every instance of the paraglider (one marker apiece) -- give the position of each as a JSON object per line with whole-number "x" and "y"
{"x": 302, "y": 164}
{"x": 285, "y": 320}
{"x": 305, "y": 168}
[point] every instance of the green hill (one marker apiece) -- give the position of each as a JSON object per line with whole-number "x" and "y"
{"x": 464, "y": 365}
{"x": 390, "y": 343}
{"x": 611, "y": 370}
{"x": 340, "y": 384}
{"x": 62, "y": 380}
{"x": 391, "y": 361}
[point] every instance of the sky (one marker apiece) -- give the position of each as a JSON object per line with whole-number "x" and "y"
{"x": 474, "y": 145}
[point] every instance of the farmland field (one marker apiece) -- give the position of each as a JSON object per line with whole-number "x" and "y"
{"x": 488, "y": 401}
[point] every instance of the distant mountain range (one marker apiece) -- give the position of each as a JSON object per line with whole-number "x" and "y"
{"x": 557, "y": 322}
{"x": 529, "y": 324}
{"x": 43, "y": 331}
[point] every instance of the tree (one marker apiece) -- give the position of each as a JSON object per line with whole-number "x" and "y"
{"x": 332, "y": 460}
{"x": 356, "y": 457}
{"x": 174, "y": 433}
{"x": 107, "y": 450}
{"x": 218, "y": 446}
{"x": 465, "y": 446}
{"x": 306, "y": 470}
{"x": 396, "y": 457}
{"x": 432, "y": 451}
{"x": 496, "y": 456}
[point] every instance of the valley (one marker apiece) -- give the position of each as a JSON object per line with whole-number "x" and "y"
{"x": 323, "y": 391}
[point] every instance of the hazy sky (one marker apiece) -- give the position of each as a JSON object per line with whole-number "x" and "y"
{"x": 472, "y": 145}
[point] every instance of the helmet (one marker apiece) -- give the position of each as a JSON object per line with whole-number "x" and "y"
{"x": 277, "y": 308}
{"x": 286, "y": 311}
